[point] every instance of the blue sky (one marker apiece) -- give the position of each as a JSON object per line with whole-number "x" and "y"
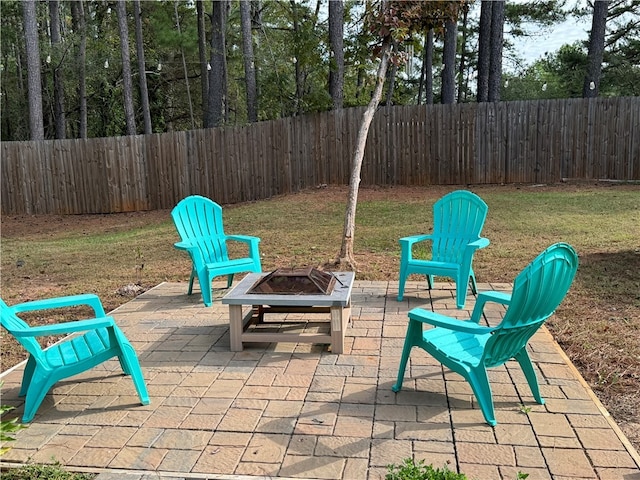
{"x": 550, "y": 40}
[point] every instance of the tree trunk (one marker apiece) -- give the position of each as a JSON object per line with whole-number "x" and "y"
{"x": 34, "y": 80}
{"x": 127, "y": 87}
{"x": 58, "y": 79}
{"x": 428, "y": 58}
{"x": 345, "y": 258}
{"x": 423, "y": 71}
{"x": 298, "y": 67}
{"x": 256, "y": 24}
{"x": 336, "y": 66}
{"x": 218, "y": 72}
{"x": 484, "y": 50}
{"x": 391, "y": 83}
{"x": 249, "y": 61}
{"x": 184, "y": 66}
{"x": 495, "y": 66}
{"x": 359, "y": 82}
{"x": 79, "y": 25}
{"x": 591, "y": 84}
{"x": 448, "y": 91}
{"x": 142, "y": 71}
{"x": 202, "y": 54}
{"x": 463, "y": 54}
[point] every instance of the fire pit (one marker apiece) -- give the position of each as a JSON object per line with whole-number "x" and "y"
{"x": 295, "y": 281}
{"x": 299, "y": 298}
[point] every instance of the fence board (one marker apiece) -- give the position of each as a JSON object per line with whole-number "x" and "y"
{"x": 525, "y": 142}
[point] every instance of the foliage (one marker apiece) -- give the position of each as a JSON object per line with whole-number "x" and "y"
{"x": 410, "y": 470}
{"x": 558, "y": 75}
{"x": 7, "y": 427}
{"x": 291, "y": 57}
{"x": 561, "y": 74}
{"x": 43, "y": 472}
{"x": 401, "y": 19}
{"x": 544, "y": 13}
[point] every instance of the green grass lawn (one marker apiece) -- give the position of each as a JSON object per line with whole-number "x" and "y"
{"x": 597, "y": 325}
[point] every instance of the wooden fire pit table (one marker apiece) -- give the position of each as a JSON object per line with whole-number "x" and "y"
{"x": 337, "y": 304}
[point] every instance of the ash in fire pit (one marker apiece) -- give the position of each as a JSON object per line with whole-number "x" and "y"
{"x": 295, "y": 281}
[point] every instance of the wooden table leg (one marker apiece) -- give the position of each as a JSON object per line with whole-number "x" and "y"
{"x": 235, "y": 327}
{"x": 338, "y": 327}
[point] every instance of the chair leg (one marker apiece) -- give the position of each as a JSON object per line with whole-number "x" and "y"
{"x": 27, "y": 376}
{"x": 474, "y": 285}
{"x": 527, "y": 367}
{"x": 205, "y": 290}
{"x": 229, "y": 280}
{"x": 402, "y": 279}
{"x": 131, "y": 366}
{"x": 479, "y": 382}
{"x": 36, "y": 392}
{"x": 461, "y": 293}
{"x": 413, "y": 329}
{"x": 190, "y": 290}
{"x": 430, "y": 281}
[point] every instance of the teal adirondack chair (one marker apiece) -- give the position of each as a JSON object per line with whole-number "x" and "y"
{"x": 470, "y": 349}
{"x": 199, "y": 224}
{"x": 458, "y": 218}
{"x": 101, "y": 340}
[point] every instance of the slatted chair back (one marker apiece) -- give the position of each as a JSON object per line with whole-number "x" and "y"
{"x": 458, "y": 219}
{"x": 537, "y": 292}
{"x": 199, "y": 220}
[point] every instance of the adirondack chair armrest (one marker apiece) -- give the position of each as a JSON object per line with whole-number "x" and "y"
{"x": 410, "y": 240}
{"x": 88, "y": 299}
{"x": 480, "y": 243}
{"x": 67, "y": 327}
{"x": 193, "y": 251}
{"x": 406, "y": 244}
{"x": 252, "y": 243}
{"x": 187, "y": 246}
{"x": 483, "y": 298}
{"x": 244, "y": 238}
{"x": 443, "y": 321}
{"x": 470, "y": 249}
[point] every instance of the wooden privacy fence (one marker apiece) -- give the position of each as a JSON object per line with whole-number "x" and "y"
{"x": 509, "y": 142}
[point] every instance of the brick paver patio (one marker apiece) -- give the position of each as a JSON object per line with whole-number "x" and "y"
{"x": 298, "y": 411}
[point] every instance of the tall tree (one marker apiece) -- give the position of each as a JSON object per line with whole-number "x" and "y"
{"x": 34, "y": 80}
{"x": 218, "y": 73}
{"x": 463, "y": 54}
{"x": 495, "y": 63}
{"x": 184, "y": 66}
{"x": 346, "y": 257}
{"x": 127, "y": 84}
{"x": 202, "y": 55}
{"x": 336, "y": 41}
{"x": 393, "y": 21}
{"x": 142, "y": 70}
{"x": 428, "y": 67}
{"x": 621, "y": 61}
{"x": 391, "y": 80}
{"x": 297, "y": 59}
{"x": 249, "y": 61}
{"x": 596, "y": 49}
{"x": 448, "y": 88}
{"x": 79, "y": 26}
{"x": 484, "y": 50}
{"x": 58, "y": 77}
